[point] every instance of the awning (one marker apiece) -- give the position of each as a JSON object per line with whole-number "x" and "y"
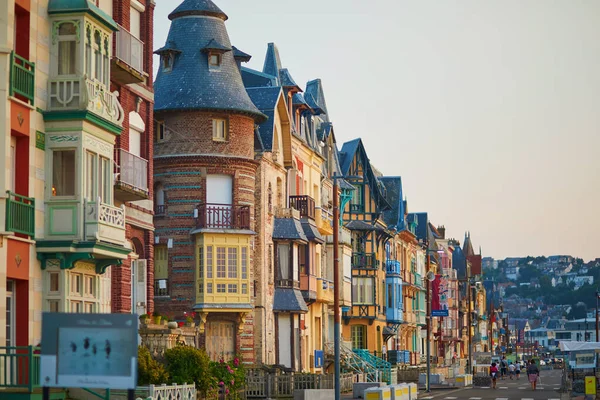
{"x": 289, "y": 300}
{"x": 577, "y": 346}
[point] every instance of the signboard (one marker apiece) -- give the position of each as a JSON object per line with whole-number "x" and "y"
{"x": 439, "y": 313}
{"x": 480, "y": 358}
{"x": 585, "y": 360}
{"x": 590, "y": 385}
{"x": 89, "y": 351}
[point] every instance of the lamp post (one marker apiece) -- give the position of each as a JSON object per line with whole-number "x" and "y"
{"x": 336, "y": 289}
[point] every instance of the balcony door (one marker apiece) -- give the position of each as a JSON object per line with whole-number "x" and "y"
{"x": 219, "y": 200}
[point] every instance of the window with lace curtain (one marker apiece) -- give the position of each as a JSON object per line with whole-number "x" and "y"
{"x": 67, "y": 48}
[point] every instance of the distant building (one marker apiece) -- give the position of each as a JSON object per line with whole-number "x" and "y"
{"x": 489, "y": 263}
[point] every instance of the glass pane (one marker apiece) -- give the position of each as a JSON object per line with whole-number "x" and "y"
{"x": 283, "y": 261}
{"x": 67, "y": 29}
{"x": 90, "y": 183}
{"x": 54, "y": 282}
{"x": 232, "y": 269}
{"x": 209, "y": 262}
{"x": 220, "y": 262}
{"x": 105, "y": 181}
{"x": 66, "y": 57}
{"x": 63, "y": 173}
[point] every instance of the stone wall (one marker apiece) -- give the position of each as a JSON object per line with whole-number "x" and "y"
{"x": 158, "y": 338}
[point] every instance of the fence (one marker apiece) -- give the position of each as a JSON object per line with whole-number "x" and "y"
{"x": 263, "y": 385}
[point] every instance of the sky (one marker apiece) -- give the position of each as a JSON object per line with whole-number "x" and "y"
{"x": 489, "y": 110}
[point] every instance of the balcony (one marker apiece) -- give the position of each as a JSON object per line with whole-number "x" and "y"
{"x": 324, "y": 290}
{"x": 105, "y": 223}
{"x": 82, "y": 94}
{"x": 22, "y": 78}
{"x": 223, "y": 216}
{"x": 410, "y": 317}
{"x": 132, "y": 180}
{"x": 128, "y": 62}
{"x": 304, "y": 204}
{"x": 308, "y": 286}
{"x": 160, "y": 210}
{"x": 324, "y": 219}
{"x": 418, "y": 280}
{"x": 393, "y": 267}
{"x": 20, "y": 214}
{"x": 19, "y": 369}
{"x": 364, "y": 260}
{"x": 287, "y": 284}
{"x": 421, "y": 318}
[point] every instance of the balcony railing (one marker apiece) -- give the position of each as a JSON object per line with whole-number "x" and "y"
{"x": 105, "y": 222}
{"x": 66, "y": 94}
{"x": 364, "y": 261}
{"x": 133, "y": 171}
{"x": 160, "y": 210}
{"x": 129, "y": 49}
{"x": 287, "y": 283}
{"x": 20, "y": 214}
{"x": 304, "y": 204}
{"x": 19, "y": 368}
{"x": 22, "y": 78}
{"x": 418, "y": 280}
{"x": 393, "y": 267}
{"x": 223, "y": 216}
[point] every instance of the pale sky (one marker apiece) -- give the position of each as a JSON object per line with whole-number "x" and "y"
{"x": 488, "y": 109}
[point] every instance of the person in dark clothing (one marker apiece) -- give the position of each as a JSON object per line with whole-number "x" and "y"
{"x": 533, "y": 373}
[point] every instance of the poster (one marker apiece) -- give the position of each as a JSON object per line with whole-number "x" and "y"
{"x": 439, "y": 296}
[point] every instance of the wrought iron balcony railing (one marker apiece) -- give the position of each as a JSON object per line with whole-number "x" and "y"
{"x": 304, "y": 204}
{"x": 223, "y": 216}
{"x": 20, "y": 214}
{"x": 22, "y": 78}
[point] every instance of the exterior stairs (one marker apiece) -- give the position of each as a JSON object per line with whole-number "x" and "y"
{"x": 352, "y": 361}
{"x": 383, "y": 367}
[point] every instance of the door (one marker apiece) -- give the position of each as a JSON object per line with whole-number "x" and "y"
{"x": 139, "y": 283}
{"x": 219, "y": 200}
{"x": 220, "y": 340}
{"x": 10, "y": 313}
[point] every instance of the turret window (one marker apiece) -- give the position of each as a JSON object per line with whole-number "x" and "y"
{"x": 167, "y": 61}
{"x": 220, "y": 129}
{"x": 214, "y": 60}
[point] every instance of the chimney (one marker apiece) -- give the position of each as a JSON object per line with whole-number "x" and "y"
{"x": 442, "y": 230}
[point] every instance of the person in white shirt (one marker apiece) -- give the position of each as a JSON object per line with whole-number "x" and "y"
{"x": 511, "y": 370}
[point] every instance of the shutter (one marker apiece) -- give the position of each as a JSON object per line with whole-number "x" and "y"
{"x": 141, "y": 282}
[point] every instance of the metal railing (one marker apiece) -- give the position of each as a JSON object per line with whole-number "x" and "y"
{"x": 22, "y": 77}
{"x": 364, "y": 260}
{"x": 133, "y": 170}
{"x": 223, "y": 216}
{"x": 287, "y": 283}
{"x": 393, "y": 267}
{"x": 20, "y": 214}
{"x": 160, "y": 209}
{"x": 304, "y": 204}
{"x": 129, "y": 49}
{"x": 19, "y": 367}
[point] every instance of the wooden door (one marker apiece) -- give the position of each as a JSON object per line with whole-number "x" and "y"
{"x": 220, "y": 340}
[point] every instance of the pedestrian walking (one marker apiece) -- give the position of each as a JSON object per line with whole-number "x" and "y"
{"x": 503, "y": 367}
{"x": 533, "y": 373}
{"x": 518, "y": 370}
{"x": 494, "y": 374}
{"x": 511, "y": 370}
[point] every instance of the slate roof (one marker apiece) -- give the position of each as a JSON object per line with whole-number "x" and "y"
{"x": 253, "y": 78}
{"x": 289, "y": 300}
{"x": 316, "y": 97}
{"x": 312, "y": 233}
{"x": 467, "y": 245}
{"x": 191, "y": 85}
{"x": 298, "y": 99}
{"x": 394, "y": 217}
{"x": 240, "y": 55}
{"x": 422, "y": 233}
{"x": 358, "y": 225}
{"x": 286, "y": 79}
{"x": 265, "y": 99}
{"x": 170, "y": 46}
{"x": 214, "y": 45}
{"x": 272, "y": 64}
{"x": 459, "y": 262}
{"x": 81, "y": 6}
{"x": 198, "y": 7}
{"x": 288, "y": 229}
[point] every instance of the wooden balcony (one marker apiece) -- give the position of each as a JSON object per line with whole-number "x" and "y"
{"x": 364, "y": 260}
{"x": 304, "y": 204}
{"x": 324, "y": 291}
{"x": 223, "y": 216}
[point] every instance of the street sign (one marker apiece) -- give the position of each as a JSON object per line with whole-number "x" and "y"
{"x": 89, "y": 351}
{"x": 439, "y": 313}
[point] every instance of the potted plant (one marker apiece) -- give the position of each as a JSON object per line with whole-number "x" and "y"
{"x": 157, "y": 318}
{"x": 144, "y": 319}
{"x": 164, "y": 320}
{"x": 172, "y": 325}
{"x": 190, "y": 322}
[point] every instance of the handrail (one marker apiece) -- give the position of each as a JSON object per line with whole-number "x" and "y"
{"x": 304, "y": 204}
{"x": 133, "y": 170}
{"x": 364, "y": 260}
{"x": 19, "y": 367}
{"x": 223, "y": 216}
{"x": 22, "y": 77}
{"x": 20, "y": 214}
{"x": 129, "y": 49}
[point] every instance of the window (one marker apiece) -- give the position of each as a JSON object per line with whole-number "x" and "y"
{"x": 161, "y": 258}
{"x": 221, "y": 262}
{"x": 209, "y": 262}
{"x": 90, "y": 285}
{"x": 168, "y": 60}
{"x": 359, "y": 336}
{"x": 90, "y": 174}
{"x": 63, "y": 173}
{"x": 220, "y": 288}
{"x": 232, "y": 288}
{"x": 53, "y": 305}
{"x": 67, "y": 48}
{"x": 76, "y": 284}
{"x": 357, "y": 199}
{"x": 54, "y": 282}
{"x": 363, "y": 291}
{"x": 76, "y": 306}
{"x": 244, "y": 288}
{"x": 89, "y": 308}
{"x": 283, "y": 262}
{"x": 209, "y": 288}
{"x": 161, "y": 287}
{"x": 97, "y": 181}
{"x": 105, "y": 181}
{"x": 232, "y": 267}
{"x": 219, "y": 129}
{"x": 159, "y": 128}
{"x": 244, "y": 263}
{"x": 214, "y": 60}
{"x": 390, "y": 295}
{"x": 98, "y": 62}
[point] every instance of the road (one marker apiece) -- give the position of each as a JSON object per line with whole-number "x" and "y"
{"x": 506, "y": 390}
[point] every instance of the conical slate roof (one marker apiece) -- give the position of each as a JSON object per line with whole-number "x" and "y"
{"x": 191, "y": 84}
{"x": 198, "y": 7}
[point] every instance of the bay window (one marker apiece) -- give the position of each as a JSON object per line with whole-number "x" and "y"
{"x": 363, "y": 290}
{"x": 98, "y": 178}
{"x": 67, "y": 48}
{"x": 63, "y": 173}
{"x": 223, "y": 269}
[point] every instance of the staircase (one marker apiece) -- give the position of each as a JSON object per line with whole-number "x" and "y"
{"x": 353, "y": 362}
{"x": 383, "y": 367}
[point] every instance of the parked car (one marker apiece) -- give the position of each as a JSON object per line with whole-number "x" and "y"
{"x": 542, "y": 362}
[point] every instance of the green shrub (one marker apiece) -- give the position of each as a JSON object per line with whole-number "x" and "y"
{"x": 150, "y": 371}
{"x": 186, "y": 364}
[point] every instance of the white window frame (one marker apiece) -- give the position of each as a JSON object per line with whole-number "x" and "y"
{"x": 362, "y": 294}
{"x": 73, "y": 176}
{"x": 220, "y": 128}
{"x": 67, "y": 38}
